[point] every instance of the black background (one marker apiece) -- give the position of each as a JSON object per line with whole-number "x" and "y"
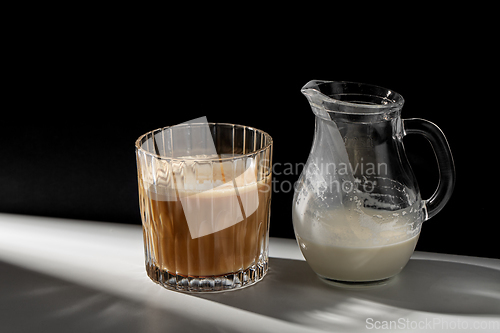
{"x": 79, "y": 98}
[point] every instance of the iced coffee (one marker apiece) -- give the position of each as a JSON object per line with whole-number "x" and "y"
{"x": 206, "y": 216}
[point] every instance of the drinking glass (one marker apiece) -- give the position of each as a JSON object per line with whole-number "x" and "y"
{"x": 205, "y": 196}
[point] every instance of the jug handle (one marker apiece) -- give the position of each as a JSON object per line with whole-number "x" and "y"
{"x": 444, "y": 158}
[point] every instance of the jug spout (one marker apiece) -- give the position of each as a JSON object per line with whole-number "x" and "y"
{"x": 313, "y": 87}
{"x": 316, "y": 98}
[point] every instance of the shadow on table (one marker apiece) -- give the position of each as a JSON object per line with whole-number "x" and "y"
{"x": 35, "y": 302}
{"x": 292, "y": 292}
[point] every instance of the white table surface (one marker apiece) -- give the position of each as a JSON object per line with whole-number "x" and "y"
{"x": 59, "y": 275}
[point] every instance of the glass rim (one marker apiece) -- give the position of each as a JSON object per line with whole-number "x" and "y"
{"x": 138, "y": 144}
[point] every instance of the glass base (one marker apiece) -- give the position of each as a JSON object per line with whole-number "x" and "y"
{"x": 201, "y": 284}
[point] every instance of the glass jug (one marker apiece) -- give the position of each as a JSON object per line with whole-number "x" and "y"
{"x": 357, "y": 211}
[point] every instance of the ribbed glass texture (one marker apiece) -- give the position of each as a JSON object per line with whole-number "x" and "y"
{"x": 205, "y": 216}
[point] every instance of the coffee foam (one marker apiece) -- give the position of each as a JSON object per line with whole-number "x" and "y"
{"x": 212, "y": 198}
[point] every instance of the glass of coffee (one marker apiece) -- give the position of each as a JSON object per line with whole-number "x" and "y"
{"x": 205, "y": 196}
